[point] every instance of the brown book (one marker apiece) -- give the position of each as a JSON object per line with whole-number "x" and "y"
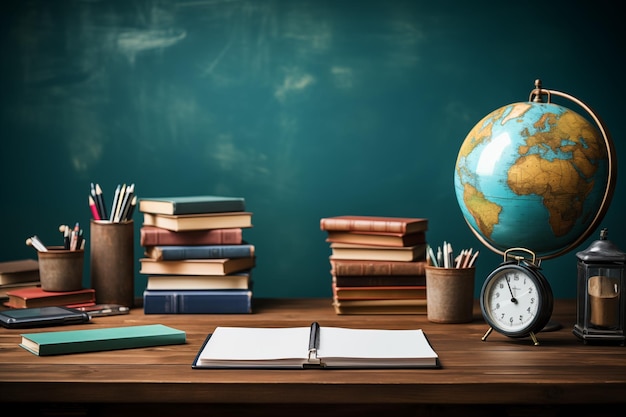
{"x": 374, "y": 224}
{"x": 378, "y": 253}
{"x": 155, "y": 236}
{"x": 408, "y": 306}
{"x": 377, "y": 280}
{"x": 236, "y": 281}
{"x": 379, "y": 293}
{"x": 21, "y": 270}
{"x": 376, "y": 239}
{"x": 240, "y": 219}
{"x": 196, "y": 266}
{"x": 36, "y": 297}
{"x": 365, "y": 267}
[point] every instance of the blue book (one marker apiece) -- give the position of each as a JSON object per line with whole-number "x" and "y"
{"x": 197, "y": 301}
{"x": 195, "y": 204}
{"x": 175, "y": 253}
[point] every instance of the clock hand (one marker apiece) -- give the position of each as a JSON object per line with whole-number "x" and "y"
{"x": 513, "y": 299}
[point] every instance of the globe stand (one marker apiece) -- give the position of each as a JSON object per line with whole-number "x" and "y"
{"x": 470, "y": 179}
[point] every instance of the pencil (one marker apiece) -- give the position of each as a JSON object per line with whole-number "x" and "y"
{"x": 102, "y": 209}
{"x": 93, "y": 208}
{"x": 114, "y": 203}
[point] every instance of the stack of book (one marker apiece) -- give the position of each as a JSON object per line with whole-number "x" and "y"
{"x": 377, "y": 264}
{"x": 195, "y": 256}
{"x": 20, "y": 287}
{"x": 17, "y": 274}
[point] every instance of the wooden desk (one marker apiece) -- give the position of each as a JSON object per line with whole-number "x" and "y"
{"x": 500, "y": 376}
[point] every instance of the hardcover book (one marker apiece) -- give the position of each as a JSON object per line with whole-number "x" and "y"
{"x": 93, "y": 340}
{"x": 368, "y": 267}
{"x": 378, "y": 253}
{"x": 406, "y": 306}
{"x": 376, "y": 239}
{"x": 222, "y": 266}
{"x": 4, "y": 289}
{"x": 183, "y": 222}
{"x": 377, "y": 280}
{"x": 379, "y": 293}
{"x": 154, "y": 236}
{"x": 237, "y": 281}
{"x": 191, "y": 204}
{"x": 318, "y": 347}
{"x": 175, "y": 253}
{"x": 197, "y": 301}
{"x": 374, "y": 224}
{"x": 22, "y": 270}
{"x": 37, "y": 297}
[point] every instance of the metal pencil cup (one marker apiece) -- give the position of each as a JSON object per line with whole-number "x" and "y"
{"x": 112, "y": 262}
{"x": 61, "y": 269}
{"x": 450, "y": 294}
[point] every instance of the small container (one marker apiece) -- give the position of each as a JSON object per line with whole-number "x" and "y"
{"x": 450, "y": 294}
{"x": 61, "y": 269}
{"x": 112, "y": 262}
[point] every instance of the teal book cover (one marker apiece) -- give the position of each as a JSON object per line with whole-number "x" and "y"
{"x": 180, "y": 252}
{"x": 93, "y": 340}
{"x": 197, "y": 204}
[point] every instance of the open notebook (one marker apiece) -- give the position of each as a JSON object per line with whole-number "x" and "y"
{"x": 314, "y": 347}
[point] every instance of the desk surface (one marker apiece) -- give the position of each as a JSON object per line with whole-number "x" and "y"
{"x": 561, "y": 373}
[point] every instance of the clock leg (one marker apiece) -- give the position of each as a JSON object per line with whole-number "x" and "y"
{"x": 535, "y": 341}
{"x": 486, "y": 335}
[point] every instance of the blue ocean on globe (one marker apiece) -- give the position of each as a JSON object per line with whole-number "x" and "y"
{"x": 532, "y": 175}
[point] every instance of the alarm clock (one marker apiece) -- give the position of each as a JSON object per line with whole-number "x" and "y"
{"x": 516, "y": 300}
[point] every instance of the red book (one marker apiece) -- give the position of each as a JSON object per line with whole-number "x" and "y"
{"x": 155, "y": 236}
{"x": 36, "y": 297}
{"x": 374, "y": 224}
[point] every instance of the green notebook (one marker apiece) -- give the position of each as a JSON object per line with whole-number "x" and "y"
{"x": 92, "y": 340}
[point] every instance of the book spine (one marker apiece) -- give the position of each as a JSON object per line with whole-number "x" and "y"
{"x": 377, "y": 281}
{"x": 378, "y": 268}
{"x": 153, "y": 236}
{"x": 386, "y": 226}
{"x": 171, "y": 253}
{"x": 197, "y": 302}
{"x": 207, "y": 207}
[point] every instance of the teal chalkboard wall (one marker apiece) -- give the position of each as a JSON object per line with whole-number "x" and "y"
{"x": 306, "y": 108}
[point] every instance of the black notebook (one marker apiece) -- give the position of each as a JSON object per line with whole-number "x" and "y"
{"x": 315, "y": 347}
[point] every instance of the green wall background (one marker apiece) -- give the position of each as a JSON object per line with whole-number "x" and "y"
{"x": 306, "y": 108}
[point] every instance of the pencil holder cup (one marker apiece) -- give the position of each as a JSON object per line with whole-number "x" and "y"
{"x": 450, "y": 294}
{"x": 112, "y": 262}
{"x": 61, "y": 269}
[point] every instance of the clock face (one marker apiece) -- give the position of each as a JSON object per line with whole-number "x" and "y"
{"x": 513, "y": 301}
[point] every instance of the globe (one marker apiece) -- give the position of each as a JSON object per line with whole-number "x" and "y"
{"x": 533, "y": 175}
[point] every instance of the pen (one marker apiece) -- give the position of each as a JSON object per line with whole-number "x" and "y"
{"x": 314, "y": 340}
{"x": 65, "y": 229}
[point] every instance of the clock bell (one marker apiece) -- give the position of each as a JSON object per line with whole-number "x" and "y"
{"x": 601, "y": 304}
